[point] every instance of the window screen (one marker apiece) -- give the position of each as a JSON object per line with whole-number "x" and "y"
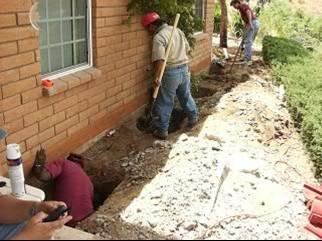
{"x": 63, "y": 35}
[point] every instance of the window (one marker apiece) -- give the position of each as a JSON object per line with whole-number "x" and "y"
{"x": 200, "y": 15}
{"x": 65, "y": 35}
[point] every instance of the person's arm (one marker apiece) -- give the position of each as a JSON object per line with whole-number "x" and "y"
{"x": 249, "y": 25}
{"x": 37, "y": 230}
{"x": 42, "y": 174}
{"x": 157, "y": 71}
{"x": 158, "y": 58}
{"x": 15, "y": 211}
{"x": 187, "y": 45}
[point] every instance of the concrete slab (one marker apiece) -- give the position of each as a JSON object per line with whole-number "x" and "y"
{"x": 68, "y": 233}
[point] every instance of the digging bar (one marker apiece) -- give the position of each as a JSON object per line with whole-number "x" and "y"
{"x": 237, "y": 54}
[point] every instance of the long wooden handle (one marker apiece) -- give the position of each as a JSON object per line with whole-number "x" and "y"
{"x": 156, "y": 91}
{"x": 235, "y": 58}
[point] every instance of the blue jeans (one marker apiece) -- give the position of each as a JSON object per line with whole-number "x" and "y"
{"x": 250, "y": 37}
{"x": 9, "y": 231}
{"x": 175, "y": 82}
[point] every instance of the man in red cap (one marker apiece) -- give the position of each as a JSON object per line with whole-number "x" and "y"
{"x": 176, "y": 79}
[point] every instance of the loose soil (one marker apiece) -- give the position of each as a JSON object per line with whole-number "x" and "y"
{"x": 238, "y": 175}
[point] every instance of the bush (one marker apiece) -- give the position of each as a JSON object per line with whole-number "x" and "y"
{"x": 168, "y": 9}
{"x": 280, "y": 19}
{"x": 237, "y": 25}
{"x": 217, "y": 18}
{"x": 195, "y": 84}
{"x": 281, "y": 49}
{"x": 303, "y": 80}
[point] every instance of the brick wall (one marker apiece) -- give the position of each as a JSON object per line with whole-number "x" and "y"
{"x": 202, "y": 52}
{"x": 86, "y": 105}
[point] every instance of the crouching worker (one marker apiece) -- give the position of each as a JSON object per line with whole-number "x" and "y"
{"x": 71, "y": 184}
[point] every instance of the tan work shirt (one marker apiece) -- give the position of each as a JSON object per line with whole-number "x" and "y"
{"x": 178, "y": 54}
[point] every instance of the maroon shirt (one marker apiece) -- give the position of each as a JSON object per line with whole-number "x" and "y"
{"x": 72, "y": 186}
{"x": 243, "y": 9}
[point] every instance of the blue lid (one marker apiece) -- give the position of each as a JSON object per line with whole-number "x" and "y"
{"x": 3, "y": 133}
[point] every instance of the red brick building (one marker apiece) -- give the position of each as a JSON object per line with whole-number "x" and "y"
{"x": 98, "y": 65}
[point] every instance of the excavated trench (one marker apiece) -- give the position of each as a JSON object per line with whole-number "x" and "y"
{"x": 106, "y": 157}
{"x": 109, "y": 176}
{"x": 105, "y": 171}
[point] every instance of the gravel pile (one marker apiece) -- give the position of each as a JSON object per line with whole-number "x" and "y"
{"x": 240, "y": 177}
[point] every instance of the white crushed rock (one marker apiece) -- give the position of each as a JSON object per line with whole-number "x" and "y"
{"x": 178, "y": 202}
{"x": 250, "y": 145}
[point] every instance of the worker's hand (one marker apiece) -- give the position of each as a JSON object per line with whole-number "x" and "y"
{"x": 249, "y": 26}
{"x": 49, "y": 207}
{"x": 37, "y": 230}
{"x": 156, "y": 83}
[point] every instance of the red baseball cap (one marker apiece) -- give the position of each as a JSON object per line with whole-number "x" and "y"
{"x": 149, "y": 18}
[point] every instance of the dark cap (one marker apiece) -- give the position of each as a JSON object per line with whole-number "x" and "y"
{"x": 3, "y": 134}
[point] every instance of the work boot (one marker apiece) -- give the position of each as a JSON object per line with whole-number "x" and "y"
{"x": 160, "y": 135}
{"x": 192, "y": 124}
{"x": 247, "y": 62}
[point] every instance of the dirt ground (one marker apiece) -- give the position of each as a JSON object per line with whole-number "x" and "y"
{"x": 238, "y": 175}
{"x": 310, "y": 7}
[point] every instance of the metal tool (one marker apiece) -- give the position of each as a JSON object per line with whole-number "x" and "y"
{"x": 238, "y": 52}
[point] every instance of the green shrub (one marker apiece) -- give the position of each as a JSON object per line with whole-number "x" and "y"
{"x": 168, "y": 9}
{"x": 281, "y": 49}
{"x": 280, "y": 19}
{"x": 237, "y": 25}
{"x": 195, "y": 84}
{"x": 303, "y": 80}
{"x": 217, "y": 18}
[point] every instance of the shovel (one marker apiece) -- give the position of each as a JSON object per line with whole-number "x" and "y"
{"x": 238, "y": 52}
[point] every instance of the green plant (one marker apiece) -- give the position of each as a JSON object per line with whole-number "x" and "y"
{"x": 281, "y": 50}
{"x": 217, "y": 18}
{"x": 237, "y": 25}
{"x": 303, "y": 81}
{"x": 189, "y": 23}
{"x": 280, "y": 19}
{"x": 195, "y": 84}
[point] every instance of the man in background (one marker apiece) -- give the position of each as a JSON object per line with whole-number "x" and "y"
{"x": 251, "y": 27}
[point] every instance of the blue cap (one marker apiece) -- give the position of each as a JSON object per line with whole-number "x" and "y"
{"x": 3, "y": 133}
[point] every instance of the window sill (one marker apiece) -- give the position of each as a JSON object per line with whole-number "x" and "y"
{"x": 201, "y": 36}
{"x": 71, "y": 81}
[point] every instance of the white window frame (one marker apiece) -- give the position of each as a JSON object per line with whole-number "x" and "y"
{"x": 73, "y": 69}
{"x": 203, "y": 16}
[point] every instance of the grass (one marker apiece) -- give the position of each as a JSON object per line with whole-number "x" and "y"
{"x": 303, "y": 81}
{"x": 282, "y": 50}
{"x": 295, "y": 54}
{"x": 281, "y": 19}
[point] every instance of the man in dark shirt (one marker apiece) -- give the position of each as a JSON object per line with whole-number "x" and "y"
{"x": 251, "y": 25}
{"x": 71, "y": 184}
